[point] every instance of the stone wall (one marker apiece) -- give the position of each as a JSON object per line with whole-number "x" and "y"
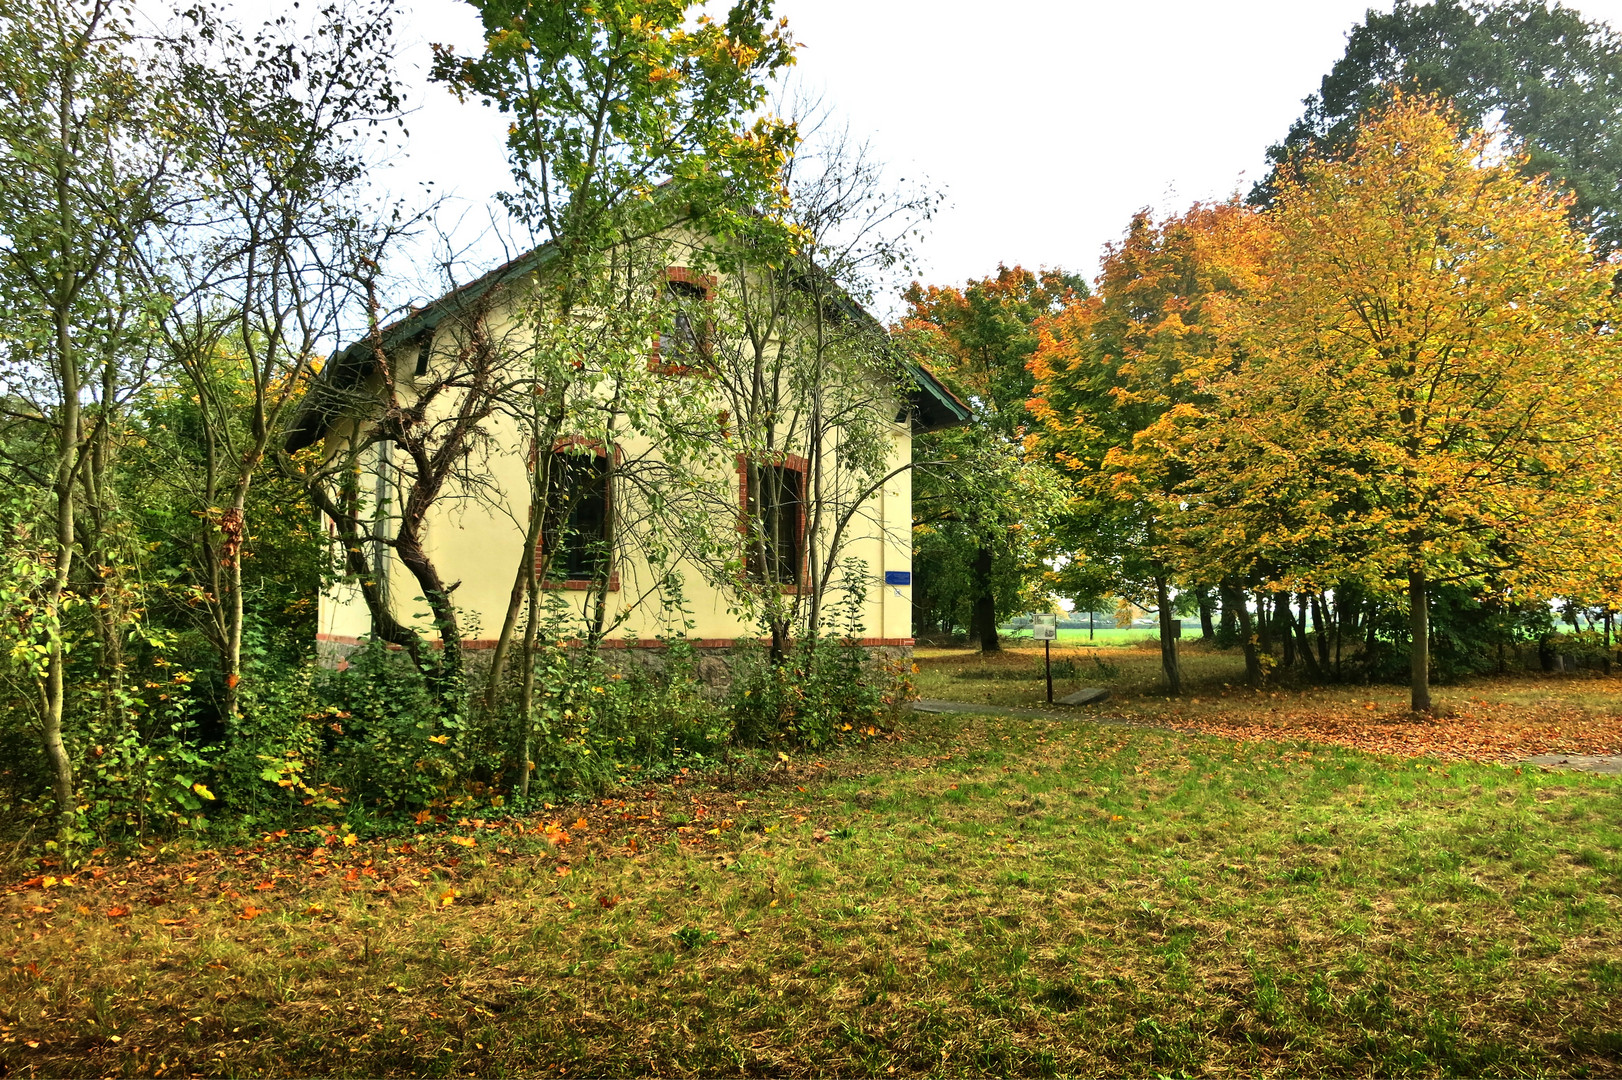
{"x": 715, "y": 659}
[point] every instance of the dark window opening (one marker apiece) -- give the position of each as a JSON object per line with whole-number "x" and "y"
{"x": 425, "y": 348}
{"x": 778, "y": 512}
{"x": 575, "y": 536}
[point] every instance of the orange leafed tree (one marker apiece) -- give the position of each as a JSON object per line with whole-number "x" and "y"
{"x": 1113, "y": 368}
{"x": 1429, "y": 380}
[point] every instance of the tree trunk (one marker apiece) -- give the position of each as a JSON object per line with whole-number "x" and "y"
{"x": 1419, "y": 652}
{"x": 1369, "y": 638}
{"x": 1233, "y": 601}
{"x": 526, "y": 694}
{"x": 1283, "y": 623}
{"x": 1299, "y": 625}
{"x": 234, "y": 530}
{"x": 1320, "y": 627}
{"x": 53, "y": 688}
{"x": 1264, "y": 625}
{"x": 984, "y": 617}
{"x": 1231, "y": 598}
{"x": 1207, "y": 620}
{"x": 1168, "y": 640}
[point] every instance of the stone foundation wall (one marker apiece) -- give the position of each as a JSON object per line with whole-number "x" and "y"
{"x": 715, "y": 659}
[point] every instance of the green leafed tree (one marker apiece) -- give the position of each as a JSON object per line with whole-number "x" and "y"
{"x": 1553, "y": 77}
{"x": 83, "y": 178}
{"x": 981, "y": 506}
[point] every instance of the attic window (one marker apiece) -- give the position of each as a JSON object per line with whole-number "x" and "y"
{"x": 425, "y": 346}
{"x": 684, "y": 345}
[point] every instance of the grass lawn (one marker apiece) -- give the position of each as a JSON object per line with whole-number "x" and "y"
{"x": 967, "y": 895}
{"x": 1504, "y": 719}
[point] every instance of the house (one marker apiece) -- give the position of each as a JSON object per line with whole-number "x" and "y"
{"x": 705, "y": 522}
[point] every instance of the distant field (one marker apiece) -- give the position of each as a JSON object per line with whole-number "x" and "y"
{"x": 1103, "y": 636}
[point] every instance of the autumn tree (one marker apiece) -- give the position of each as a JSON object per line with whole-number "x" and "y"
{"x": 1110, "y": 367}
{"x": 83, "y": 176}
{"x": 626, "y": 118}
{"x": 1427, "y": 383}
{"x": 979, "y": 518}
{"x": 258, "y": 264}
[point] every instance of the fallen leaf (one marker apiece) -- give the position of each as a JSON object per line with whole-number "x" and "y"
{"x": 117, "y": 911}
{"x": 464, "y": 841}
{"x": 251, "y": 912}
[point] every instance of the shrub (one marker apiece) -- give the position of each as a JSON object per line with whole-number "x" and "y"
{"x": 818, "y": 689}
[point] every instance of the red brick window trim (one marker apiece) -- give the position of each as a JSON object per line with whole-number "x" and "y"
{"x": 684, "y": 283}
{"x": 576, "y": 446}
{"x": 800, "y": 467}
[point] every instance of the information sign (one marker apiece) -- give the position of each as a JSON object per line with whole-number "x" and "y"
{"x": 1044, "y": 628}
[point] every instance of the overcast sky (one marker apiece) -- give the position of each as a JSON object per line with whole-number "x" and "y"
{"x": 1047, "y": 123}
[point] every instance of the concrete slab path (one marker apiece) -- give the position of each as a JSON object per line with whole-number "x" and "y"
{"x": 1594, "y": 763}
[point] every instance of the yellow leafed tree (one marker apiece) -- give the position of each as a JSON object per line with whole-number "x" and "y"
{"x": 1429, "y": 381}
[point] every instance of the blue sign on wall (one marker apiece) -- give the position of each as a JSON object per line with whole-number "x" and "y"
{"x": 898, "y": 577}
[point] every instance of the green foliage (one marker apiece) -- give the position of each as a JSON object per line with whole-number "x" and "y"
{"x": 983, "y": 508}
{"x": 1553, "y": 77}
{"x": 819, "y": 689}
{"x": 392, "y": 748}
{"x": 680, "y": 97}
{"x": 142, "y": 769}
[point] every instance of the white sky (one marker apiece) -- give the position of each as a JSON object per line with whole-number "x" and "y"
{"x": 1047, "y": 123}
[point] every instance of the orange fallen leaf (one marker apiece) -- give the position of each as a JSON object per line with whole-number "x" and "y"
{"x": 251, "y": 912}
{"x": 117, "y": 911}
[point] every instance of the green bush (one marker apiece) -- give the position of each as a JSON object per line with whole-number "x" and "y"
{"x": 818, "y": 688}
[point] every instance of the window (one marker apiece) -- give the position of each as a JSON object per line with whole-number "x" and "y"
{"x": 576, "y": 535}
{"x": 684, "y": 345}
{"x": 777, "y": 510}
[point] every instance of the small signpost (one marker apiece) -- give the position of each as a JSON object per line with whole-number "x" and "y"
{"x": 1045, "y": 628}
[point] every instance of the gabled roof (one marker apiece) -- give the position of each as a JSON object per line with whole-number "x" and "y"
{"x": 332, "y": 389}
{"x": 933, "y": 406}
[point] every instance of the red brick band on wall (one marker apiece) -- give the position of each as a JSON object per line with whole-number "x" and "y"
{"x": 480, "y": 644}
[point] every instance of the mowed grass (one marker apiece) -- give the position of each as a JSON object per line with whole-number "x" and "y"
{"x": 1129, "y": 666}
{"x": 975, "y": 895}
